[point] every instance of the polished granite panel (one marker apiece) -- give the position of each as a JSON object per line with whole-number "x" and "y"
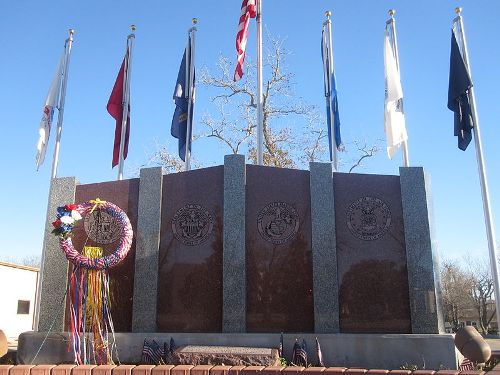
{"x": 278, "y": 244}
{"x": 124, "y": 194}
{"x": 190, "y": 257}
{"x": 371, "y": 255}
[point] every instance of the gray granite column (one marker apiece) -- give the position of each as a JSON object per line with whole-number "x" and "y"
{"x": 421, "y": 252}
{"x": 54, "y": 270}
{"x": 146, "y": 250}
{"x": 324, "y": 249}
{"x": 234, "y": 258}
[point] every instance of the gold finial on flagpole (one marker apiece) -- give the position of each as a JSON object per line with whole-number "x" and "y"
{"x": 458, "y": 10}
{"x": 132, "y": 27}
{"x": 328, "y": 14}
{"x": 392, "y": 12}
{"x": 194, "y": 21}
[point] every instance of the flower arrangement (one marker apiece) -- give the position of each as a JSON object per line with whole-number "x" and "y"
{"x": 66, "y": 216}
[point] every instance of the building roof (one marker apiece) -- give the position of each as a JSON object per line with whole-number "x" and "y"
{"x": 19, "y": 266}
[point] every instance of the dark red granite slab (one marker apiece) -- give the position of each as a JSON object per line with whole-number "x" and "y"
{"x": 278, "y": 245}
{"x": 371, "y": 255}
{"x": 190, "y": 260}
{"x": 124, "y": 194}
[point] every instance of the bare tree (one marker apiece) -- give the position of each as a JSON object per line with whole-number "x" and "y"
{"x": 456, "y": 285}
{"x": 481, "y": 290}
{"x": 294, "y": 131}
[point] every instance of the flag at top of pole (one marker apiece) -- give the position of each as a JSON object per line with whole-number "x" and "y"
{"x": 459, "y": 87}
{"x": 332, "y": 107}
{"x": 51, "y": 102}
{"x": 55, "y": 99}
{"x": 184, "y": 97}
{"x": 248, "y": 10}
{"x": 394, "y": 118}
{"x": 461, "y": 101}
{"x": 119, "y": 107}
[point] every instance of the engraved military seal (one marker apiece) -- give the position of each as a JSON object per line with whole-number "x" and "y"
{"x": 278, "y": 222}
{"x": 368, "y": 218}
{"x": 101, "y": 227}
{"x": 192, "y": 224}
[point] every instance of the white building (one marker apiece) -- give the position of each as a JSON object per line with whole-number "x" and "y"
{"x": 17, "y": 298}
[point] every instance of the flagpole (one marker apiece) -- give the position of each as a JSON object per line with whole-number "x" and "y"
{"x": 260, "y": 114}
{"x": 333, "y": 140}
{"x": 488, "y": 217}
{"x": 60, "y": 115}
{"x": 394, "y": 42}
{"x": 126, "y": 99}
{"x": 190, "y": 91}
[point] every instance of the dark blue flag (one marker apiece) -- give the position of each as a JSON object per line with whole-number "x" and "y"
{"x": 331, "y": 98}
{"x": 179, "y": 121}
{"x": 458, "y": 96}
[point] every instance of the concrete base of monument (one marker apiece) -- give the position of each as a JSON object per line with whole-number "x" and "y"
{"x": 371, "y": 351}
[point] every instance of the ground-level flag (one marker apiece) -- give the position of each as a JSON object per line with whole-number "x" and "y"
{"x": 459, "y": 87}
{"x": 248, "y": 10}
{"x": 115, "y": 109}
{"x": 394, "y": 119}
{"x": 319, "y": 355}
{"x": 332, "y": 106}
{"x": 180, "y": 119}
{"x": 299, "y": 355}
{"x": 51, "y": 102}
{"x": 152, "y": 353}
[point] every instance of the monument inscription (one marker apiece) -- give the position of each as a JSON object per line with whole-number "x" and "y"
{"x": 101, "y": 227}
{"x": 278, "y": 222}
{"x": 192, "y": 224}
{"x": 368, "y": 218}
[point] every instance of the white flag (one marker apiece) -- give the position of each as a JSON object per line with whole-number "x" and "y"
{"x": 51, "y": 102}
{"x": 394, "y": 118}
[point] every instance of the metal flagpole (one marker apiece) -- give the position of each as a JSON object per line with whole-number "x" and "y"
{"x": 333, "y": 140}
{"x": 488, "y": 217}
{"x": 68, "y": 44}
{"x": 60, "y": 115}
{"x": 126, "y": 98}
{"x": 394, "y": 44}
{"x": 189, "y": 92}
{"x": 260, "y": 114}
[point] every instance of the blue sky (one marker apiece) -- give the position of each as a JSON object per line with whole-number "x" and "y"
{"x": 32, "y": 34}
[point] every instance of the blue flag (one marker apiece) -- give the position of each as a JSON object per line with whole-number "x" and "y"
{"x": 331, "y": 98}
{"x": 179, "y": 121}
{"x": 458, "y": 96}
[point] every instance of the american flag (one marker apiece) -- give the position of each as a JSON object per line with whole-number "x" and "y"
{"x": 152, "y": 353}
{"x": 280, "y": 349}
{"x": 248, "y": 10}
{"x": 467, "y": 365}
{"x": 299, "y": 354}
{"x": 319, "y": 354}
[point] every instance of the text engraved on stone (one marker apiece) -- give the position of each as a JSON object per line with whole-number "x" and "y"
{"x": 368, "y": 218}
{"x": 192, "y": 224}
{"x": 278, "y": 222}
{"x": 101, "y": 227}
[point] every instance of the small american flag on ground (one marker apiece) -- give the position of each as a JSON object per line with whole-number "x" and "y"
{"x": 248, "y": 10}
{"x": 152, "y": 353}
{"x": 299, "y": 354}
{"x": 466, "y": 365}
{"x": 319, "y": 354}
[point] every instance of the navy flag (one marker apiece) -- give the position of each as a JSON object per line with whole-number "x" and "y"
{"x": 458, "y": 95}
{"x": 181, "y": 100}
{"x": 331, "y": 97}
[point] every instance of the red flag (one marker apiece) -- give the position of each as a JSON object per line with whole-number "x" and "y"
{"x": 115, "y": 109}
{"x": 248, "y": 10}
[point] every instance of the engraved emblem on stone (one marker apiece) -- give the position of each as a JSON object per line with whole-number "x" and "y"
{"x": 278, "y": 222}
{"x": 101, "y": 227}
{"x": 368, "y": 218}
{"x": 192, "y": 224}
